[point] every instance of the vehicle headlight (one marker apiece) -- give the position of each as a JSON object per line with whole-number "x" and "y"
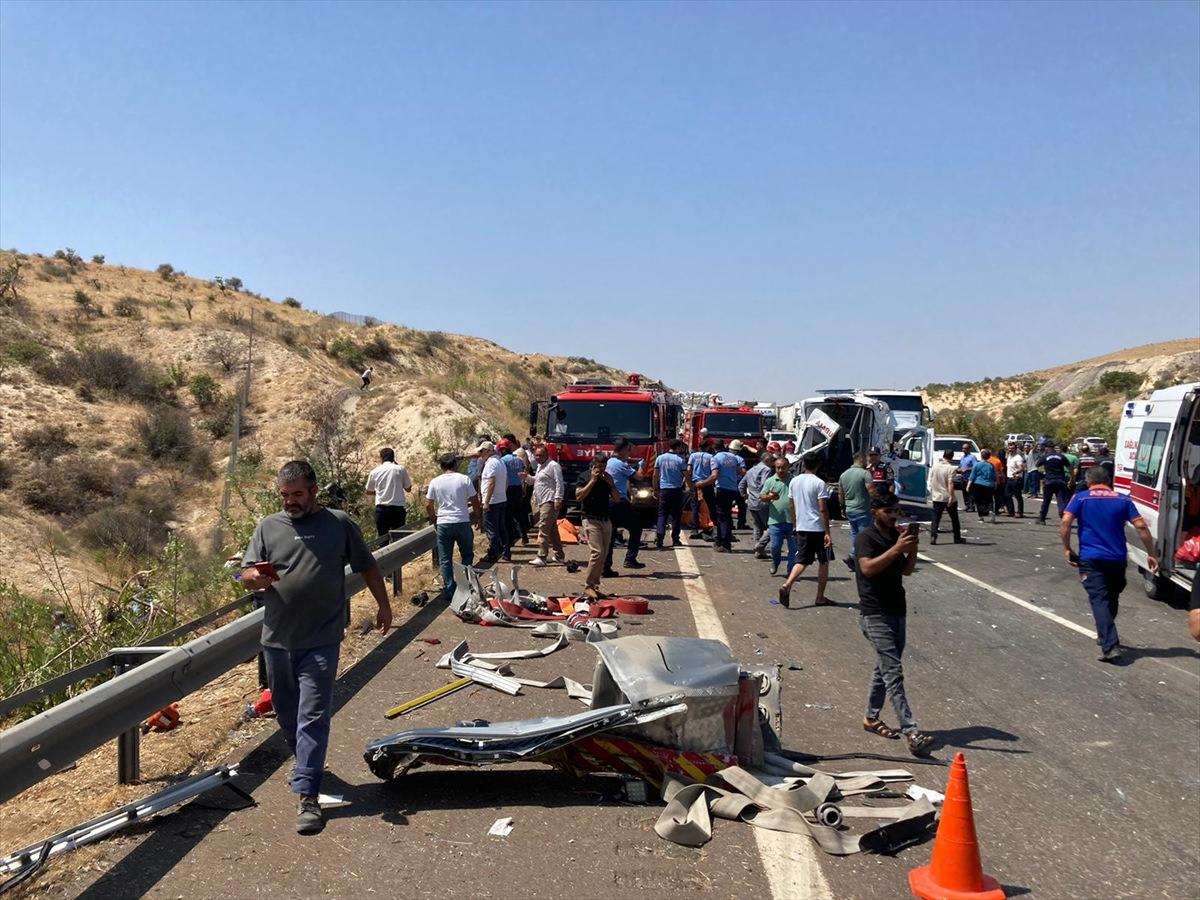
{"x": 643, "y": 493}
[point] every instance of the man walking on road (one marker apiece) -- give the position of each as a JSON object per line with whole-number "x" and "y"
{"x": 966, "y": 466}
{"x": 493, "y": 497}
{"x": 854, "y": 487}
{"x": 1014, "y": 485}
{"x": 1054, "y": 463}
{"x": 451, "y": 502}
{"x": 304, "y": 619}
{"x": 597, "y": 494}
{"x": 668, "y": 468}
{"x": 1102, "y": 514}
{"x": 809, "y": 502}
{"x": 750, "y": 489}
{"x": 780, "y": 524}
{"x": 941, "y": 495}
{"x": 548, "y": 495}
{"x": 623, "y": 514}
{"x": 726, "y": 474}
{"x": 387, "y": 484}
{"x": 885, "y": 558}
{"x": 982, "y": 485}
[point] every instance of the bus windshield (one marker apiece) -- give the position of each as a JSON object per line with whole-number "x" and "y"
{"x": 599, "y": 421}
{"x": 901, "y": 402}
{"x": 732, "y": 424}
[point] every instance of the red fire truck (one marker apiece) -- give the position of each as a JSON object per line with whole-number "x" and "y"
{"x": 586, "y": 417}
{"x": 743, "y": 423}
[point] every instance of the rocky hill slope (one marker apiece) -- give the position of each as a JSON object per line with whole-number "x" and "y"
{"x": 117, "y": 391}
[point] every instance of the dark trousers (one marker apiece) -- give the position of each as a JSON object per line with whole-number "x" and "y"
{"x": 939, "y": 507}
{"x": 887, "y": 635}
{"x": 516, "y": 529}
{"x": 759, "y": 518}
{"x": 625, "y": 516}
{"x": 741, "y": 511}
{"x": 495, "y": 526}
{"x": 982, "y": 495}
{"x": 998, "y": 497}
{"x": 1103, "y": 580}
{"x": 1057, "y": 490}
{"x": 710, "y": 500}
{"x": 301, "y": 684}
{"x": 1014, "y": 495}
{"x": 670, "y": 506}
{"x": 389, "y": 518}
{"x": 724, "y": 517}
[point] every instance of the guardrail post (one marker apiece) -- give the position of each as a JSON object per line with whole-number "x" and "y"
{"x": 129, "y": 748}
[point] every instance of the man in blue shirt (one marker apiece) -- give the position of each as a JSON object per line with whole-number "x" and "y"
{"x": 1102, "y": 514}
{"x": 623, "y": 514}
{"x": 514, "y": 495}
{"x": 699, "y": 468}
{"x": 727, "y": 472}
{"x": 1057, "y": 470}
{"x": 965, "y": 466}
{"x": 669, "y": 472}
{"x": 982, "y": 485}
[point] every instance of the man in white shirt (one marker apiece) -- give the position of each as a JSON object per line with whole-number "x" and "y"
{"x": 809, "y": 501}
{"x": 548, "y": 493}
{"x": 451, "y": 504}
{"x": 386, "y": 484}
{"x": 366, "y": 377}
{"x": 1014, "y": 486}
{"x": 493, "y": 498}
{"x": 941, "y": 495}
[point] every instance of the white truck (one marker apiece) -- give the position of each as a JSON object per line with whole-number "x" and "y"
{"x": 1157, "y": 461}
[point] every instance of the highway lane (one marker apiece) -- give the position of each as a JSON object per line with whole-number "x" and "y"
{"x": 1086, "y": 777}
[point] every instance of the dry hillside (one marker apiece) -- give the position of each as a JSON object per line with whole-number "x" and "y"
{"x": 1155, "y": 365}
{"x": 96, "y": 445}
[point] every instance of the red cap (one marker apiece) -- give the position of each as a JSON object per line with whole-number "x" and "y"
{"x": 504, "y": 444}
{"x": 774, "y": 447}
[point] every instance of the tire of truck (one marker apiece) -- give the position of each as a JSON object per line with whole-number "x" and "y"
{"x": 1157, "y": 587}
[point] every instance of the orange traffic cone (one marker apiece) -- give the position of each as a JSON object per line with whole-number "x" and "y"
{"x": 955, "y": 872}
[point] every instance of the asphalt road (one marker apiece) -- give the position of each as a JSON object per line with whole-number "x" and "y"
{"x": 1085, "y": 776}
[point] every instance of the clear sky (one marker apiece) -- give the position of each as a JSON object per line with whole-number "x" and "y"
{"x": 755, "y": 198}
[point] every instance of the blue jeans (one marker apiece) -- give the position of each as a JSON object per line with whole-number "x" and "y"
{"x": 449, "y": 534}
{"x": 887, "y": 635}
{"x": 495, "y": 526}
{"x": 1103, "y": 580}
{"x": 781, "y": 531}
{"x": 857, "y": 524}
{"x": 1032, "y": 480}
{"x": 301, "y": 684}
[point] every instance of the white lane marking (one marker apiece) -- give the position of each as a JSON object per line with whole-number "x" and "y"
{"x": 1074, "y": 626}
{"x": 1067, "y": 623}
{"x": 789, "y": 860}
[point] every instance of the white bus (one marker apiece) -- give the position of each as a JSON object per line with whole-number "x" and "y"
{"x": 908, "y": 408}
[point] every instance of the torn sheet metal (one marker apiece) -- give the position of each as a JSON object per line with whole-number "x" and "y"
{"x": 493, "y": 743}
{"x": 533, "y": 653}
{"x": 735, "y": 794}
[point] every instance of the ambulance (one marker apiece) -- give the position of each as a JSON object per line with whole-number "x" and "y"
{"x": 1157, "y": 458}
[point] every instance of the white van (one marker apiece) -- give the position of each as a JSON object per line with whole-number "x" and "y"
{"x": 1158, "y": 447}
{"x": 915, "y": 455}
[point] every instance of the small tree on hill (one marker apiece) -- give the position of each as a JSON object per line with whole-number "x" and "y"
{"x": 11, "y": 279}
{"x": 166, "y": 271}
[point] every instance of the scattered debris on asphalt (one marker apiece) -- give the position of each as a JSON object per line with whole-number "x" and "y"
{"x": 502, "y": 827}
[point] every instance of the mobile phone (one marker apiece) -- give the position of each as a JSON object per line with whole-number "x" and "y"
{"x": 263, "y": 568}
{"x": 912, "y": 528}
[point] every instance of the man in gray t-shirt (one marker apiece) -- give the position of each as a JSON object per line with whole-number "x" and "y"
{"x": 304, "y": 602}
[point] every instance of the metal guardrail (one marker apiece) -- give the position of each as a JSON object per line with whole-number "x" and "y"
{"x": 48, "y": 742}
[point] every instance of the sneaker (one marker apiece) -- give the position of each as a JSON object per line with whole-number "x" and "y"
{"x": 760, "y": 554}
{"x": 933, "y": 541}
{"x": 719, "y": 548}
{"x": 634, "y": 564}
{"x": 507, "y": 557}
{"x": 1111, "y": 655}
{"x": 560, "y": 558}
{"x": 309, "y": 818}
{"x": 785, "y": 597}
{"x": 658, "y": 545}
{"x": 611, "y": 573}
{"x": 694, "y": 536}
{"x": 676, "y": 542}
{"x": 537, "y": 562}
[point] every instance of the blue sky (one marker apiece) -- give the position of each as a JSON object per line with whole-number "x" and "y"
{"x": 758, "y": 199}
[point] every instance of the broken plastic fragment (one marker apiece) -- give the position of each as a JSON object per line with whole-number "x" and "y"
{"x": 502, "y": 827}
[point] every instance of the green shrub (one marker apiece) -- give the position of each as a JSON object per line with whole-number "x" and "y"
{"x": 233, "y": 283}
{"x": 166, "y": 433}
{"x": 220, "y": 422}
{"x": 127, "y": 308}
{"x": 54, "y": 270}
{"x": 292, "y": 302}
{"x": 1121, "y": 381}
{"x": 135, "y": 525}
{"x": 25, "y": 351}
{"x": 107, "y": 369}
{"x": 166, "y": 271}
{"x": 70, "y": 257}
{"x": 205, "y": 390}
{"x": 379, "y": 348}
{"x": 84, "y": 304}
{"x": 177, "y": 376}
{"x": 46, "y": 442}
{"x": 544, "y": 369}
{"x": 98, "y": 259}
{"x": 42, "y": 491}
{"x": 348, "y": 352}
{"x": 6, "y": 470}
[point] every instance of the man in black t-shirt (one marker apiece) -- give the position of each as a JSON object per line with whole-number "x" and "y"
{"x": 596, "y": 494}
{"x": 884, "y": 557}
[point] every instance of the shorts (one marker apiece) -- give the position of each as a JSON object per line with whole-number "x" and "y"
{"x": 812, "y": 546}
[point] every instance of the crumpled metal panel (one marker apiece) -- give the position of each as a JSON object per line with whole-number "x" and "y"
{"x": 645, "y": 667}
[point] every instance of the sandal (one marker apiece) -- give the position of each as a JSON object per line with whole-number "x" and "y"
{"x": 880, "y": 728}
{"x": 919, "y": 744}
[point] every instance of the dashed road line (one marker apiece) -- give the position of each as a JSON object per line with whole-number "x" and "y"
{"x": 789, "y": 861}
